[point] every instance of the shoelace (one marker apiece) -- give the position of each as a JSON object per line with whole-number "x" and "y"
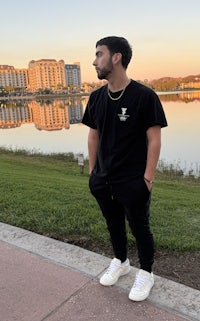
{"x": 112, "y": 267}
{"x": 139, "y": 281}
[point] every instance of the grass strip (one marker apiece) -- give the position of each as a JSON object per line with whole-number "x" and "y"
{"x": 49, "y": 195}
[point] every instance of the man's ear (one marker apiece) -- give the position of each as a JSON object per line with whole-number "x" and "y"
{"x": 116, "y": 57}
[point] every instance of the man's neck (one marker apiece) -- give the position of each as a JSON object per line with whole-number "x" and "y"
{"x": 119, "y": 83}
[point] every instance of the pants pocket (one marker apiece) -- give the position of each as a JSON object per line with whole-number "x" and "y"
{"x": 98, "y": 186}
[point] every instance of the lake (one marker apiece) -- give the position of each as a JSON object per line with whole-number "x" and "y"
{"x": 53, "y": 126}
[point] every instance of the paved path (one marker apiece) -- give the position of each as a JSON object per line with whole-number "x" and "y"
{"x": 42, "y": 279}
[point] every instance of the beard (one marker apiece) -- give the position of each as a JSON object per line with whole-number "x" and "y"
{"x": 105, "y": 72}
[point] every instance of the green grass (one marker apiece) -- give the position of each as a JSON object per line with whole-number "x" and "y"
{"x": 47, "y": 194}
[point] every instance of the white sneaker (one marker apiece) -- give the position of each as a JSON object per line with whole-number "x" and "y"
{"x": 114, "y": 271}
{"x": 141, "y": 288}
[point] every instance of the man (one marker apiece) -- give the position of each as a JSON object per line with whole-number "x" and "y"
{"x": 125, "y": 120}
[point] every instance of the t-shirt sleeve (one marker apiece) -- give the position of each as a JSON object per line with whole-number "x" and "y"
{"x": 88, "y": 118}
{"x": 153, "y": 113}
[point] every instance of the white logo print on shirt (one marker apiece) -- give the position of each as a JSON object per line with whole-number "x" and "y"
{"x": 123, "y": 116}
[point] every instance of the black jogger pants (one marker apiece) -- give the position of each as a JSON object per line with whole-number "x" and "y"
{"x": 126, "y": 199}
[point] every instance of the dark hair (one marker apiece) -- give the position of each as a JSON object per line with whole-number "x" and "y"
{"x": 117, "y": 44}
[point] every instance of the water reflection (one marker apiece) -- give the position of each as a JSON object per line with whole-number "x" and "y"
{"x": 186, "y": 96}
{"x": 46, "y": 114}
{"x": 57, "y": 114}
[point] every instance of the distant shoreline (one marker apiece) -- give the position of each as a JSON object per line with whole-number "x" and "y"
{"x": 50, "y": 96}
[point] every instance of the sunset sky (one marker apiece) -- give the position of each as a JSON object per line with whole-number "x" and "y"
{"x": 164, "y": 34}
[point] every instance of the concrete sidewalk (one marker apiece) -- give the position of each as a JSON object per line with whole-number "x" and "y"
{"x": 42, "y": 279}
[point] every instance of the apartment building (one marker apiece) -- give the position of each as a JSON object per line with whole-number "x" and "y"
{"x": 11, "y": 77}
{"x": 73, "y": 75}
{"x": 46, "y": 74}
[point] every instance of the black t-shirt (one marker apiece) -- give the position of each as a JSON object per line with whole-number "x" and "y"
{"x": 122, "y": 126}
